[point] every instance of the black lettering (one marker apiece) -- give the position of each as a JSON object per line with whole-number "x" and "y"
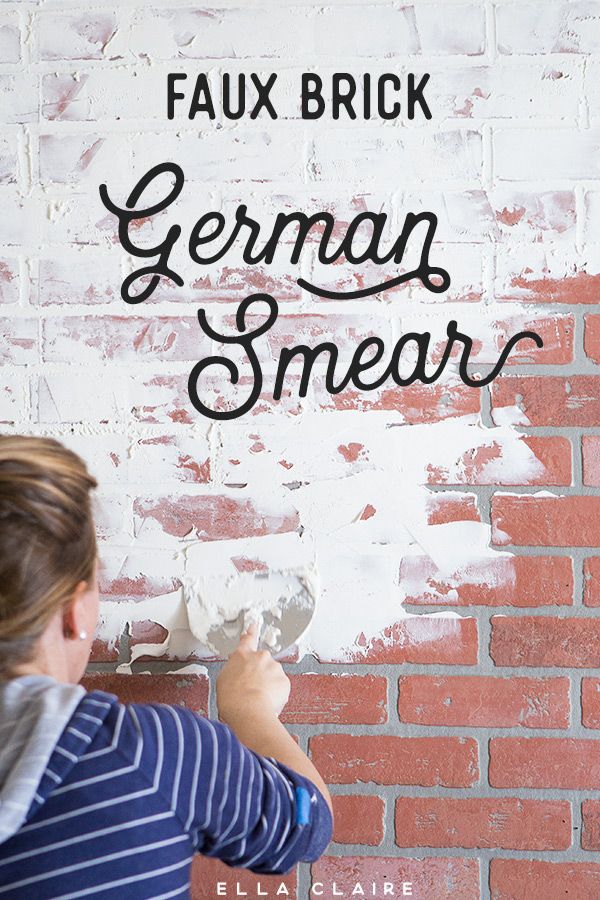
{"x": 312, "y": 86}
{"x": 415, "y": 95}
{"x": 263, "y": 91}
{"x": 172, "y": 94}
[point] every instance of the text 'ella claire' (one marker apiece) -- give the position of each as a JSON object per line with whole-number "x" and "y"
{"x": 319, "y": 889}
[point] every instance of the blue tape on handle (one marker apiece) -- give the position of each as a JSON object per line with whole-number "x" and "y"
{"x": 302, "y": 806}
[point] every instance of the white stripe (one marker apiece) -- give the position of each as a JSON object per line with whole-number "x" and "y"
{"x": 289, "y": 848}
{"x": 177, "y": 777}
{"x": 88, "y": 836}
{"x": 106, "y": 776}
{"x": 106, "y": 803}
{"x": 115, "y": 738}
{"x": 101, "y": 703}
{"x": 56, "y": 778}
{"x": 225, "y": 782}
{"x": 197, "y": 762}
{"x": 238, "y": 796}
{"x": 88, "y": 718}
{"x": 66, "y": 753}
{"x": 213, "y": 776}
{"x": 172, "y": 893}
{"x": 97, "y": 861}
{"x": 110, "y": 884}
{"x": 244, "y": 831}
{"x": 79, "y": 734}
{"x": 265, "y": 846}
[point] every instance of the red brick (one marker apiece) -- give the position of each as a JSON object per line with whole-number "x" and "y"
{"x": 186, "y": 690}
{"x": 207, "y": 873}
{"x": 590, "y": 702}
{"x": 337, "y": 699}
{"x": 212, "y": 517}
{"x": 546, "y": 521}
{"x": 358, "y": 820}
{"x": 533, "y": 879}
{"x": 582, "y": 287}
{"x": 147, "y": 632}
{"x": 430, "y": 640}
{"x": 129, "y": 581}
{"x": 386, "y": 759}
{"x": 450, "y": 506}
{"x": 591, "y": 339}
{"x": 483, "y": 465}
{"x": 416, "y": 404}
{"x": 502, "y": 581}
{"x": 590, "y": 814}
{"x": 549, "y": 400}
{"x": 484, "y": 701}
{"x": 545, "y": 762}
{"x": 591, "y": 581}
{"x": 590, "y": 449}
{"x": 436, "y": 877}
{"x": 509, "y": 823}
{"x": 545, "y": 641}
{"x": 556, "y": 333}
{"x": 102, "y": 651}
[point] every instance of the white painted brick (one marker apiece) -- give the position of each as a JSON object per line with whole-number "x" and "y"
{"x": 409, "y": 157}
{"x": 27, "y": 215}
{"x": 549, "y": 27}
{"x": 73, "y": 158}
{"x": 8, "y": 160}
{"x": 548, "y": 273}
{"x": 20, "y": 103}
{"x": 86, "y": 276}
{"x": 562, "y": 154}
{"x": 247, "y": 154}
{"x": 9, "y": 281}
{"x": 81, "y": 35}
{"x": 10, "y": 38}
{"x": 82, "y": 396}
{"x": 12, "y": 398}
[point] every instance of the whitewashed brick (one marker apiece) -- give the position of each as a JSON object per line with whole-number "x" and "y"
{"x": 550, "y": 27}
{"x": 562, "y": 154}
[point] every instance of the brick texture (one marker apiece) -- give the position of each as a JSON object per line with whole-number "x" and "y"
{"x": 459, "y": 723}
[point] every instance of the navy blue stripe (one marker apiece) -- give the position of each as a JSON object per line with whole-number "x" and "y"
{"x": 132, "y": 792}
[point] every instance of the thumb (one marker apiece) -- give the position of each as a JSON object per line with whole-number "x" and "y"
{"x": 249, "y": 639}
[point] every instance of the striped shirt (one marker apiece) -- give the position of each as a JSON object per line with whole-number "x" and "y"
{"x": 131, "y": 792}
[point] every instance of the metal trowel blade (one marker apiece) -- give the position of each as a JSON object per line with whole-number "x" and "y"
{"x": 287, "y": 608}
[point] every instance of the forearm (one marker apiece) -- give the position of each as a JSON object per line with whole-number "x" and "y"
{"x": 266, "y": 735}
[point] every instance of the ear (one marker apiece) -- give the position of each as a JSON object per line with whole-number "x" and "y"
{"x": 72, "y": 614}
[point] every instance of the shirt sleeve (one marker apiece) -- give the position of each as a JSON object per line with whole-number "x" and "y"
{"x": 246, "y": 809}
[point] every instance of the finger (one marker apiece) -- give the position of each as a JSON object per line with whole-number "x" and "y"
{"x": 249, "y": 639}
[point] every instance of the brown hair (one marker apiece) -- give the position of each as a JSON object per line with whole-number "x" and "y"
{"x": 47, "y": 538}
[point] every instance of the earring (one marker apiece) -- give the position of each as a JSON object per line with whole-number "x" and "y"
{"x": 82, "y": 635}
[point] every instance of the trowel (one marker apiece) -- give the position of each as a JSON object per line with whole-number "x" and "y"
{"x": 280, "y": 604}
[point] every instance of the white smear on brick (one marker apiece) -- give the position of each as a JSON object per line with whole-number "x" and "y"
{"x": 356, "y": 527}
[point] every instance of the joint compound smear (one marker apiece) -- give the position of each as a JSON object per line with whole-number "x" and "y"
{"x": 357, "y": 487}
{"x": 280, "y": 604}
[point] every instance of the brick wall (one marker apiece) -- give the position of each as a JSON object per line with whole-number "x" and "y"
{"x": 463, "y": 751}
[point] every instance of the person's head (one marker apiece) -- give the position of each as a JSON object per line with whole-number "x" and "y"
{"x": 48, "y": 577}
